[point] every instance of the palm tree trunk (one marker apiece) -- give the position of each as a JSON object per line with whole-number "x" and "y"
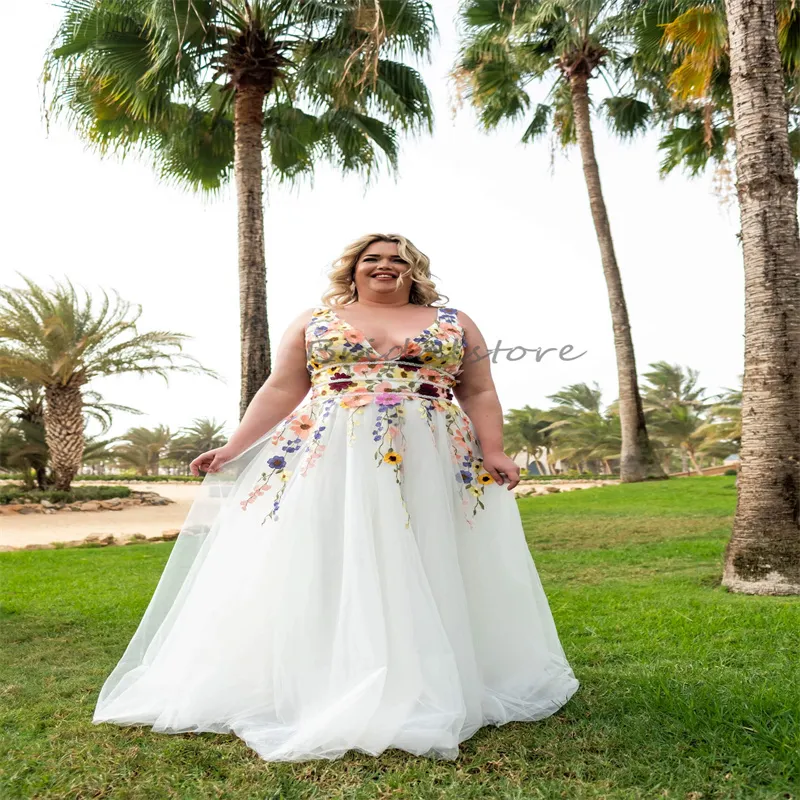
{"x": 63, "y": 428}
{"x": 637, "y": 460}
{"x": 248, "y": 170}
{"x": 763, "y": 554}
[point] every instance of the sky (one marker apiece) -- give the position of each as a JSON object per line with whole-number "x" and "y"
{"x": 507, "y": 227}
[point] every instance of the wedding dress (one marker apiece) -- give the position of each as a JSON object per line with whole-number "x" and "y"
{"x": 354, "y": 580}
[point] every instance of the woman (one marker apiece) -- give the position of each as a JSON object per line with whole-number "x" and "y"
{"x": 354, "y": 574}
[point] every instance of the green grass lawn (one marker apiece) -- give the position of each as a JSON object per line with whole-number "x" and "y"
{"x": 687, "y": 691}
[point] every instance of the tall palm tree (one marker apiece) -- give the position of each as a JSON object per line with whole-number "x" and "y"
{"x": 510, "y": 43}
{"x": 205, "y": 86}
{"x": 61, "y": 342}
{"x": 763, "y": 555}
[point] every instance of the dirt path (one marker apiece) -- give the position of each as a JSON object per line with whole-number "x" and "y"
{"x": 19, "y": 530}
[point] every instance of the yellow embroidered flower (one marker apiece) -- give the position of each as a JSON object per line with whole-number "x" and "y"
{"x": 285, "y": 475}
{"x": 427, "y": 357}
{"x": 392, "y": 457}
{"x": 485, "y": 477}
{"x": 474, "y": 490}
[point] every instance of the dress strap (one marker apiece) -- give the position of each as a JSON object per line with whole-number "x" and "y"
{"x": 448, "y": 314}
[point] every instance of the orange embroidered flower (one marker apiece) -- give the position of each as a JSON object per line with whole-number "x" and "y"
{"x": 354, "y": 400}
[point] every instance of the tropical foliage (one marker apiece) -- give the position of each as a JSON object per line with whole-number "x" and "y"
{"x": 53, "y": 344}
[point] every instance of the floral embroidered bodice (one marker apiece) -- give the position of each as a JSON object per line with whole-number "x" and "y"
{"x": 342, "y": 361}
{"x": 348, "y": 373}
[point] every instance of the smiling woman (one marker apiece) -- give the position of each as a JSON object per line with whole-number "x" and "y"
{"x": 355, "y": 574}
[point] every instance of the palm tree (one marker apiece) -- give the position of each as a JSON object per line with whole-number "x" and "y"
{"x": 763, "y": 555}
{"x": 506, "y": 46}
{"x": 675, "y": 408}
{"x": 202, "y": 435}
{"x": 144, "y": 448}
{"x": 205, "y": 87}
{"x": 523, "y": 430}
{"x": 722, "y": 432}
{"x": 61, "y": 342}
{"x": 22, "y": 404}
{"x": 681, "y": 60}
{"x": 579, "y": 430}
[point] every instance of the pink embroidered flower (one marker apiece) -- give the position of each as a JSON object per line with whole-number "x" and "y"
{"x": 352, "y": 337}
{"x": 448, "y": 327}
{"x": 254, "y": 495}
{"x": 388, "y": 399}
{"x": 429, "y": 375}
{"x": 413, "y": 349}
{"x": 322, "y": 355}
{"x": 302, "y": 426}
{"x": 363, "y": 368}
{"x": 383, "y": 386}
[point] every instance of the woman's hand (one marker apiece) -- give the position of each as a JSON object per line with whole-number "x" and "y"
{"x": 499, "y": 465}
{"x": 213, "y": 460}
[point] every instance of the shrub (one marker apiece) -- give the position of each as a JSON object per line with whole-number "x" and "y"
{"x": 18, "y": 494}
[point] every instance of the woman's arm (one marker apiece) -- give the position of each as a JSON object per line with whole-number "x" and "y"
{"x": 281, "y": 393}
{"x": 477, "y": 395}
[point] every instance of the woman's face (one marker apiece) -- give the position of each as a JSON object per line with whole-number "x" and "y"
{"x": 377, "y": 270}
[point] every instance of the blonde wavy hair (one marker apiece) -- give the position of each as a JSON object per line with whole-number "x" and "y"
{"x": 342, "y": 289}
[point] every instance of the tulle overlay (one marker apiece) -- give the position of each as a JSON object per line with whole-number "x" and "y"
{"x": 352, "y": 580}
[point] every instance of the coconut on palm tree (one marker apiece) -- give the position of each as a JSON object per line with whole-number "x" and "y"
{"x": 510, "y": 44}
{"x": 61, "y": 342}
{"x": 205, "y": 88}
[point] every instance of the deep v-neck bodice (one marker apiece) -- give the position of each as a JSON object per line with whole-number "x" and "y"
{"x": 399, "y": 348}
{"x": 342, "y": 360}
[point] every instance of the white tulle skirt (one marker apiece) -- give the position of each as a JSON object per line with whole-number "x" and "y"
{"x": 333, "y": 624}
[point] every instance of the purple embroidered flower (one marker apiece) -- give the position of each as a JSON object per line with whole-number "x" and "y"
{"x": 277, "y": 462}
{"x": 466, "y": 476}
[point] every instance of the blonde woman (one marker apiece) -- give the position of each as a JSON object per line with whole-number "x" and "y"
{"x": 354, "y": 574}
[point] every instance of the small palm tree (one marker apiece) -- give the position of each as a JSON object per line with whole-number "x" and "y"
{"x": 61, "y": 342}
{"x": 524, "y": 430}
{"x": 206, "y": 87}
{"x": 510, "y": 44}
{"x": 675, "y": 409}
{"x": 580, "y": 431}
{"x": 722, "y": 432}
{"x": 144, "y": 448}
{"x": 202, "y": 435}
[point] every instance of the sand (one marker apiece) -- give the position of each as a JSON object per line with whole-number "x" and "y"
{"x": 19, "y": 530}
